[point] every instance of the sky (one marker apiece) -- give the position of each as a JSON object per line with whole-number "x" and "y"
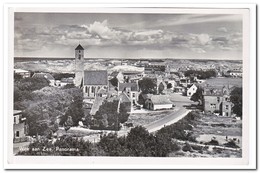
{"x": 111, "y": 35}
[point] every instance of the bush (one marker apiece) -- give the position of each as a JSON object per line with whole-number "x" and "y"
{"x": 231, "y": 144}
{"x": 186, "y": 147}
{"x": 213, "y": 142}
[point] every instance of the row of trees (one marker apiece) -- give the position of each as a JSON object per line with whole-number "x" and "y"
{"x": 138, "y": 142}
{"x": 201, "y": 74}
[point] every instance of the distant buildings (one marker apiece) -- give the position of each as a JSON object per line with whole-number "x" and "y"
{"x": 23, "y": 73}
{"x": 216, "y": 100}
{"x": 235, "y": 73}
{"x": 20, "y": 128}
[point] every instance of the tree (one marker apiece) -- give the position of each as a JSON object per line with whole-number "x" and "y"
{"x": 123, "y": 113}
{"x": 75, "y": 110}
{"x": 114, "y": 81}
{"x": 139, "y": 142}
{"x": 236, "y": 97}
{"x": 68, "y": 124}
{"x": 107, "y": 115}
{"x": 147, "y": 86}
{"x": 17, "y": 77}
{"x": 169, "y": 86}
{"x": 198, "y": 96}
{"x": 161, "y": 88}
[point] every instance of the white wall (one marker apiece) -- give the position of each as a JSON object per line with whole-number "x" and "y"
{"x": 164, "y": 106}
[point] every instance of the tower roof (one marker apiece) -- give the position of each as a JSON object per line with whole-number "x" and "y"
{"x": 79, "y": 47}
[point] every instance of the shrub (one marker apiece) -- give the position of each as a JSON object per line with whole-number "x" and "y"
{"x": 186, "y": 147}
{"x": 231, "y": 144}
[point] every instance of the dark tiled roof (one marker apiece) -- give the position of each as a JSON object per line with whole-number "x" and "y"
{"x": 79, "y": 47}
{"x": 123, "y": 86}
{"x": 95, "y": 77}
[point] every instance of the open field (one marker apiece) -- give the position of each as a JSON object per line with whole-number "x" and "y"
{"x": 147, "y": 118}
{"x": 218, "y": 127}
{"x": 224, "y": 81}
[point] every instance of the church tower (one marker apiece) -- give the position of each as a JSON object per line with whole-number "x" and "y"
{"x": 79, "y": 66}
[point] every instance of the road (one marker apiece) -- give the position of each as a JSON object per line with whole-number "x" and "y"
{"x": 180, "y": 102}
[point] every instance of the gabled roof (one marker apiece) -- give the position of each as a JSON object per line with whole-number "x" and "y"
{"x": 79, "y": 47}
{"x": 123, "y": 86}
{"x": 160, "y": 99}
{"x": 16, "y": 112}
{"x": 95, "y": 77}
{"x": 47, "y": 76}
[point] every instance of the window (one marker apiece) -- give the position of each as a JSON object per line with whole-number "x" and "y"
{"x": 79, "y": 56}
{"x": 212, "y": 105}
{"x": 17, "y": 134}
{"x": 133, "y": 94}
{"x": 218, "y": 99}
{"x": 92, "y": 89}
{"x": 14, "y": 120}
{"x": 227, "y": 107}
{"x": 86, "y": 89}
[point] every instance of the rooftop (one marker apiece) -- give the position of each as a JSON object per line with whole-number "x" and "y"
{"x": 95, "y": 77}
{"x": 160, "y": 99}
{"x": 17, "y": 112}
{"x": 123, "y": 86}
{"x": 79, "y": 47}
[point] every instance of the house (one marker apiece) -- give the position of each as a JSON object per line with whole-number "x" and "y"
{"x": 191, "y": 90}
{"x": 64, "y": 81}
{"x": 120, "y": 77}
{"x": 132, "y": 76}
{"x": 235, "y": 73}
{"x": 93, "y": 82}
{"x": 216, "y": 100}
{"x": 47, "y": 76}
{"x": 179, "y": 89}
{"x": 126, "y": 101}
{"x": 23, "y": 73}
{"x": 20, "y": 128}
{"x": 157, "y": 102}
{"x": 156, "y": 66}
{"x": 184, "y": 82}
{"x": 131, "y": 90}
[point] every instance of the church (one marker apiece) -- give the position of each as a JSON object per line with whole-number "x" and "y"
{"x": 93, "y": 83}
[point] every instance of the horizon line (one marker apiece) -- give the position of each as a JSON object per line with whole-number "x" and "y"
{"x": 126, "y": 58}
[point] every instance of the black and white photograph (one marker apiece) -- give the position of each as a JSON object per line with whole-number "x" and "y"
{"x": 135, "y": 83}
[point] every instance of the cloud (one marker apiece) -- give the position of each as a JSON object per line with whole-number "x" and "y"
{"x": 198, "y": 50}
{"x": 222, "y": 29}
